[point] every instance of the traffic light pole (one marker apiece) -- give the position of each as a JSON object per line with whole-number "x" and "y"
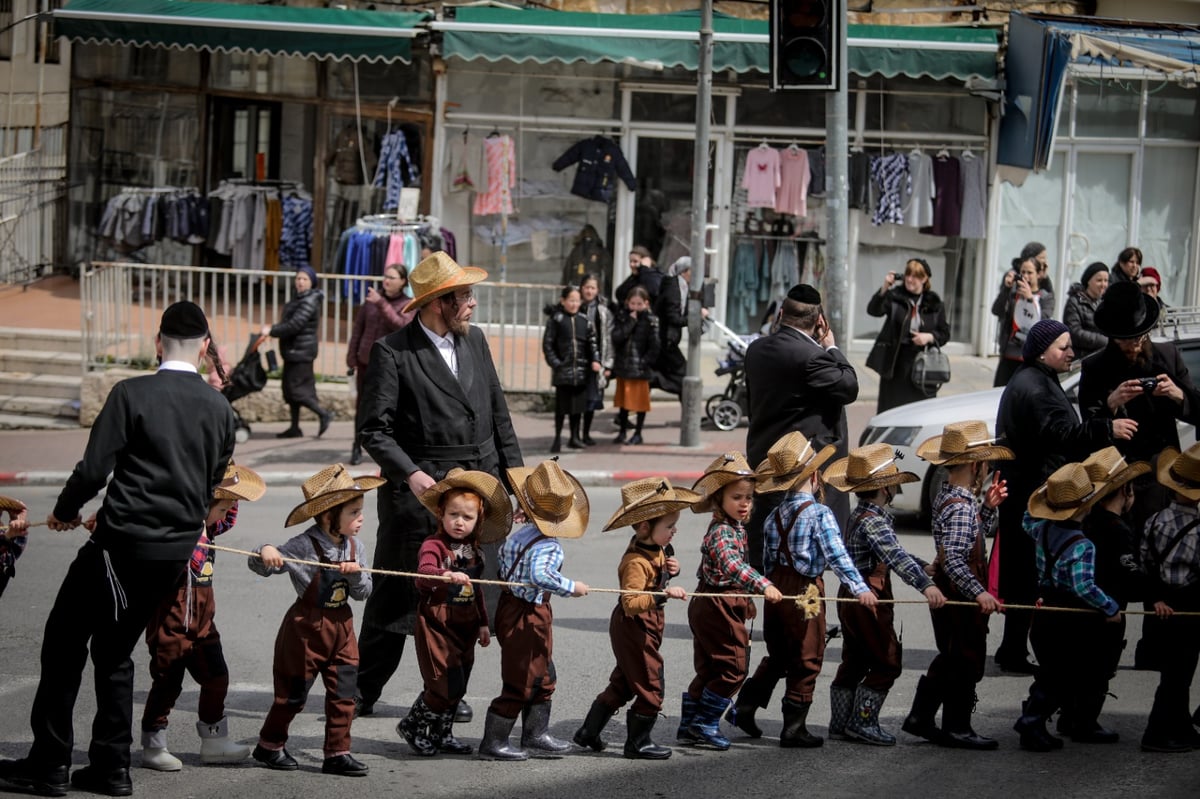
{"x": 837, "y": 194}
{"x": 691, "y": 400}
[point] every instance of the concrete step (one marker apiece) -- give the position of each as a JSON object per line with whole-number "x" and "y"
{"x": 48, "y": 407}
{"x": 43, "y": 362}
{"x": 10, "y": 421}
{"x": 30, "y": 385}
{"x": 41, "y": 339}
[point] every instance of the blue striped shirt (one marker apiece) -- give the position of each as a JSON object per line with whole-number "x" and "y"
{"x": 539, "y": 566}
{"x": 815, "y": 541}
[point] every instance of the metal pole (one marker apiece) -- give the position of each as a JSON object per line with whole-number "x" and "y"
{"x": 690, "y": 400}
{"x": 837, "y": 195}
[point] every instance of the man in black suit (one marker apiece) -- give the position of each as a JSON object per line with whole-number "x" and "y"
{"x": 432, "y": 402}
{"x": 166, "y": 438}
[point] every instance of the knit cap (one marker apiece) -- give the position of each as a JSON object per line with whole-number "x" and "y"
{"x": 1041, "y": 336}
{"x": 1090, "y": 272}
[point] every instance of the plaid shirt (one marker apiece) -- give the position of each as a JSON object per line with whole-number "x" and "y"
{"x": 723, "y": 558}
{"x": 202, "y": 554}
{"x": 538, "y": 567}
{"x": 814, "y": 541}
{"x": 955, "y": 530}
{"x": 872, "y": 540}
{"x": 1075, "y": 569}
{"x": 1180, "y": 567}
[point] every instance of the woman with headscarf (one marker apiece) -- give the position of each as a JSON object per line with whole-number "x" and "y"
{"x": 671, "y": 310}
{"x": 1080, "y": 311}
{"x": 1039, "y": 424}
{"x": 914, "y": 318}
{"x": 298, "y": 334}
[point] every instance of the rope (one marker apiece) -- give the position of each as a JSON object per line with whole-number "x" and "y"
{"x": 30, "y": 526}
{"x": 803, "y": 600}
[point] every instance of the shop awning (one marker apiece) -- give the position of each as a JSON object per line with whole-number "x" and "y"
{"x": 278, "y": 30}
{"x": 671, "y": 40}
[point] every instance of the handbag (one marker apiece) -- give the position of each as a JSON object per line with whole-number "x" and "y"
{"x": 930, "y": 370}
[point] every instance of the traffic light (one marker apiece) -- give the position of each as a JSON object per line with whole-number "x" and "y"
{"x": 804, "y": 44}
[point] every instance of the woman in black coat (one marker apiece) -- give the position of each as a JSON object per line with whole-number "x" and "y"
{"x": 636, "y": 344}
{"x": 297, "y": 334}
{"x": 914, "y": 317}
{"x": 569, "y": 345}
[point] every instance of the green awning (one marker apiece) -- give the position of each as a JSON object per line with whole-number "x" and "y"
{"x": 501, "y": 34}
{"x": 277, "y": 30}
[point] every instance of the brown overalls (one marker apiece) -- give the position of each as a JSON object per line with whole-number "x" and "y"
{"x": 635, "y": 631}
{"x": 525, "y": 631}
{"x": 448, "y": 622}
{"x": 871, "y": 652}
{"x": 316, "y": 637}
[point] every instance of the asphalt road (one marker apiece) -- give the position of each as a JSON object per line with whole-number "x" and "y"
{"x": 250, "y": 607}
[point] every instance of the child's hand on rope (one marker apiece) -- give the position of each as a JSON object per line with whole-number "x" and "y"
{"x": 271, "y": 557}
{"x": 772, "y": 594}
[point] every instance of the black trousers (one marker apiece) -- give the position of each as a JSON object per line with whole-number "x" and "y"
{"x": 104, "y": 602}
{"x": 1170, "y": 713}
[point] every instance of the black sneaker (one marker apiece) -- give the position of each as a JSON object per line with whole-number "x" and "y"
{"x": 277, "y": 759}
{"x": 291, "y": 432}
{"x": 344, "y": 766}
{"x": 113, "y": 782}
{"x": 25, "y": 776}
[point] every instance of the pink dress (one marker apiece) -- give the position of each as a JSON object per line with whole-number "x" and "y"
{"x": 792, "y": 197}
{"x": 761, "y": 178}
{"x": 501, "y": 158}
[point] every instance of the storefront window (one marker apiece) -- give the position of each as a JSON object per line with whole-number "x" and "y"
{"x": 264, "y": 74}
{"x": 156, "y": 65}
{"x": 680, "y": 108}
{"x": 1033, "y": 212}
{"x": 380, "y": 82}
{"x": 761, "y": 108}
{"x": 1107, "y": 109}
{"x": 1168, "y": 216}
{"x": 556, "y": 90}
{"x": 1173, "y": 112}
{"x": 924, "y": 106}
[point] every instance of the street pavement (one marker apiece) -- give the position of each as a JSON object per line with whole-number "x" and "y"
{"x": 250, "y": 608}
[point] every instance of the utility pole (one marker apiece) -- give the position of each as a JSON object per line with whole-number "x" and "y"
{"x": 690, "y": 400}
{"x": 837, "y": 193}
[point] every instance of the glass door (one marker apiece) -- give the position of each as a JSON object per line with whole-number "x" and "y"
{"x": 1100, "y": 212}
{"x": 662, "y": 212}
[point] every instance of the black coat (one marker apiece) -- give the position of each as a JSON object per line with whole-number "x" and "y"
{"x": 1009, "y": 341}
{"x": 648, "y": 277}
{"x": 297, "y": 330}
{"x": 588, "y": 256}
{"x": 671, "y": 310}
{"x": 636, "y": 345}
{"x": 601, "y": 162}
{"x": 1117, "y": 571}
{"x": 1079, "y": 315}
{"x": 569, "y": 345}
{"x": 894, "y": 305}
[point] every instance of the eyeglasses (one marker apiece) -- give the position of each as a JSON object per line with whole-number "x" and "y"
{"x": 463, "y": 297}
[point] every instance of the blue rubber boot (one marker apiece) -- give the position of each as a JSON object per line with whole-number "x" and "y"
{"x": 706, "y": 726}
{"x": 687, "y": 714}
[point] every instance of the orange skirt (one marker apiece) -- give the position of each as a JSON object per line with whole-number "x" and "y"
{"x": 632, "y": 395}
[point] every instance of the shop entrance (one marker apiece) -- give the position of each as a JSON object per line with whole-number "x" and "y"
{"x": 245, "y": 140}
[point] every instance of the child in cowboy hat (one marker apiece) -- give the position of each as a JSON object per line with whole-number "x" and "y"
{"x": 182, "y": 637}
{"x": 960, "y": 569}
{"x": 1067, "y": 645}
{"x": 1170, "y": 555}
{"x": 651, "y": 506}
{"x": 720, "y": 640}
{"x": 472, "y": 509}
{"x": 317, "y": 633}
{"x": 555, "y": 506}
{"x": 800, "y": 538}
{"x": 871, "y": 653}
{"x": 12, "y": 540}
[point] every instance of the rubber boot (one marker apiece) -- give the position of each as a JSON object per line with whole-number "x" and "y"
{"x": 154, "y": 752}
{"x": 841, "y": 701}
{"x": 706, "y": 724}
{"x": 495, "y": 745}
{"x": 636, "y": 438}
{"x": 1085, "y": 724}
{"x": 795, "y": 732}
{"x": 749, "y": 700}
{"x": 922, "y": 718}
{"x": 1032, "y": 727}
{"x": 587, "y": 439}
{"x": 638, "y": 745}
{"x": 574, "y": 441}
{"x": 687, "y": 714}
{"x": 535, "y": 730}
{"x": 588, "y": 735}
{"x": 864, "y": 720}
{"x": 441, "y": 733}
{"x": 623, "y": 424}
{"x": 215, "y": 746}
{"x": 415, "y": 727}
{"x": 463, "y": 714}
{"x": 956, "y": 722}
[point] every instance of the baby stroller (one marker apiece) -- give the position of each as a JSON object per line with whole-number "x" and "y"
{"x": 246, "y": 378}
{"x": 726, "y": 410}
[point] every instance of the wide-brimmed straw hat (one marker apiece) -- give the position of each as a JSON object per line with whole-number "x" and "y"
{"x": 552, "y": 499}
{"x": 649, "y": 498}
{"x": 1109, "y": 467}
{"x": 10, "y": 504}
{"x": 240, "y": 482}
{"x": 963, "y": 442}
{"x": 496, "y": 521}
{"x": 1125, "y": 311}
{"x": 329, "y": 488}
{"x": 1066, "y": 492}
{"x": 790, "y": 461}
{"x": 1180, "y": 471}
{"x": 868, "y": 468}
{"x": 726, "y": 469}
{"x": 437, "y": 275}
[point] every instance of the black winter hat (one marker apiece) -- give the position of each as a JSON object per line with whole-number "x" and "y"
{"x": 183, "y": 319}
{"x": 1041, "y": 336}
{"x": 1092, "y": 270}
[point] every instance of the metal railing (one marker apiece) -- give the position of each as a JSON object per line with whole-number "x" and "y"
{"x": 32, "y": 187}
{"x": 121, "y": 304}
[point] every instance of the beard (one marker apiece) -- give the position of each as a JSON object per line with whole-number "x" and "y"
{"x": 459, "y": 327}
{"x": 1141, "y": 356}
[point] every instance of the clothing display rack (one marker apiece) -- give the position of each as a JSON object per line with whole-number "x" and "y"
{"x": 261, "y": 224}
{"x": 138, "y": 216}
{"x": 376, "y": 240}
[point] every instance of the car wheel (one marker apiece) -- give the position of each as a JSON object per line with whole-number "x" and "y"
{"x": 727, "y": 415}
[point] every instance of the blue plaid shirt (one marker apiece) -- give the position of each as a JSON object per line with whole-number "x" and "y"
{"x": 814, "y": 541}
{"x": 955, "y": 528}
{"x": 872, "y": 540}
{"x": 1075, "y": 570}
{"x": 539, "y": 566}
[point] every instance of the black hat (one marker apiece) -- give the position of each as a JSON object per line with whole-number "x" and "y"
{"x": 183, "y": 320}
{"x": 1125, "y": 312}
{"x": 802, "y": 292}
{"x": 1093, "y": 269}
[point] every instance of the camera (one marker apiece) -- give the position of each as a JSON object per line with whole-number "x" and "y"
{"x": 1148, "y": 384}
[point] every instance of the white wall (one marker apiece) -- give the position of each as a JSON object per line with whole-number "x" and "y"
{"x": 19, "y": 78}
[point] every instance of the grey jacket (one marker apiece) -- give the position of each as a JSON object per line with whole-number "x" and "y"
{"x": 1079, "y": 315}
{"x": 301, "y": 547}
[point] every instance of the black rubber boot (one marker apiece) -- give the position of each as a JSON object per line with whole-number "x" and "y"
{"x": 1085, "y": 725}
{"x": 749, "y": 700}
{"x": 441, "y": 732}
{"x": 535, "y": 730}
{"x": 638, "y": 745}
{"x": 356, "y": 454}
{"x": 956, "y": 722}
{"x": 795, "y": 732}
{"x": 922, "y": 718}
{"x": 415, "y": 728}
{"x": 588, "y": 735}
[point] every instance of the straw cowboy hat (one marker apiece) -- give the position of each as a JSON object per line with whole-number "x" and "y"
{"x": 649, "y": 498}
{"x": 868, "y": 468}
{"x": 11, "y": 505}
{"x": 497, "y": 508}
{"x": 437, "y": 275}
{"x": 240, "y": 483}
{"x": 1065, "y": 493}
{"x": 726, "y": 469}
{"x": 1108, "y": 466}
{"x": 790, "y": 461}
{"x": 1180, "y": 471}
{"x": 963, "y": 442}
{"x": 551, "y": 498}
{"x": 329, "y": 488}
